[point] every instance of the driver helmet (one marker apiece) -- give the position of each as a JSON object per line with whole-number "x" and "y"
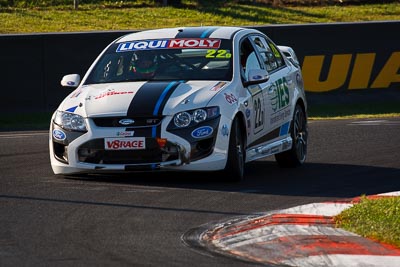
{"x": 144, "y": 63}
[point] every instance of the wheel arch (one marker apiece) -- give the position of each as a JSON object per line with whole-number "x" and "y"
{"x": 242, "y": 122}
{"x": 302, "y": 104}
{"x": 300, "y": 101}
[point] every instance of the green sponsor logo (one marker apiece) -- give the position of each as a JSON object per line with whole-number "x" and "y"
{"x": 280, "y": 96}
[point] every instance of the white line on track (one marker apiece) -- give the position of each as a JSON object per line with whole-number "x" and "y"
{"x": 81, "y": 184}
{"x": 340, "y": 260}
{"x": 375, "y": 122}
{"x": 14, "y": 135}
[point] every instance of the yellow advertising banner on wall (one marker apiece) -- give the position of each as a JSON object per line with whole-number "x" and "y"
{"x": 353, "y": 69}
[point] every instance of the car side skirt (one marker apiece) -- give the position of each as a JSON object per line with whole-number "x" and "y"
{"x": 265, "y": 150}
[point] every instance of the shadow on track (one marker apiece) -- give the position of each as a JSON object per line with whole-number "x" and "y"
{"x": 266, "y": 177}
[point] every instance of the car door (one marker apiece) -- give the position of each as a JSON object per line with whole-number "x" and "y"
{"x": 256, "y": 106}
{"x": 276, "y": 95}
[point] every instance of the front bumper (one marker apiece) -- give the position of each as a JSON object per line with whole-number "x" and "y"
{"x": 86, "y": 153}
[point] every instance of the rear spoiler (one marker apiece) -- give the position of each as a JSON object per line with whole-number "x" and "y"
{"x": 290, "y": 54}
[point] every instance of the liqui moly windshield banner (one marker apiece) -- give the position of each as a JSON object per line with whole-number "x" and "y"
{"x": 195, "y": 43}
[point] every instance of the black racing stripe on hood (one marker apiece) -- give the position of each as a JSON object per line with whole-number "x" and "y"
{"x": 151, "y": 99}
{"x": 203, "y": 32}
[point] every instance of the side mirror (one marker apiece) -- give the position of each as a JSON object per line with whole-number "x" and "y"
{"x": 71, "y": 80}
{"x": 290, "y": 54}
{"x": 256, "y": 76}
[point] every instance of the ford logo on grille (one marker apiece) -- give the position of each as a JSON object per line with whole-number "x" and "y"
{"x": 202, "y": 132}
{"x": 126, "y": 121}
{"x": 59, "y": 135}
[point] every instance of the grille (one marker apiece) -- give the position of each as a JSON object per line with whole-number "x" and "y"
{"x": 94, "y": 152}
{"x": 138, "y": 122}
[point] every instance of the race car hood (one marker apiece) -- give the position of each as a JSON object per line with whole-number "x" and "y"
{"x": 140, "y": 98}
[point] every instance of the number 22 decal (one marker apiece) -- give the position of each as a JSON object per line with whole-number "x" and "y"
{"x": 258, "y": 113}
{"x": 218, "y": 54}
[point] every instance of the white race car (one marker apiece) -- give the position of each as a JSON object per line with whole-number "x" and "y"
{"x": 183, "y": 99}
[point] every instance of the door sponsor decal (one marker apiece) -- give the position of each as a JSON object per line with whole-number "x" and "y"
{"x": 280, "y": 96}
{"x": 258, "y": 107}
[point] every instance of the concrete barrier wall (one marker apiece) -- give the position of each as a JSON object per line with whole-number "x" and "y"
{"x": 341, "y": 62}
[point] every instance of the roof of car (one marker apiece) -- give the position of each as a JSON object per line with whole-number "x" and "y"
{"x": 183, "y": 32}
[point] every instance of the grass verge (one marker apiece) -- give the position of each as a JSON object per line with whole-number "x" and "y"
{"x": 354, "y": 111}
{"x": 119, "y": 15}
{"x": 25, "y": 121}
{"x": 378, "y": 219}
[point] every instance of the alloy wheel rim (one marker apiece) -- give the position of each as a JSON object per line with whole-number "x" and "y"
{"x": 300, "y": 135}
{"x": 239, "y": 150}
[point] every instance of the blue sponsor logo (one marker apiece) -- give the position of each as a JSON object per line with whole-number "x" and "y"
{"x": 59, "y": 135}
{"x": 224, "y": 130}
{"x": 202, "y": 132}
{"x": 247, "y": 112}
{"x": 126, "y": 121}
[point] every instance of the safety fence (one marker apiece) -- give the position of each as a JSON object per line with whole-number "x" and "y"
{"x": 341, "y": 62}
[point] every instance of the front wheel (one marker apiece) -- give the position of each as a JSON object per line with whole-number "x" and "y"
{"x": 296, "y": 156}
{"x": 234, "y": 169}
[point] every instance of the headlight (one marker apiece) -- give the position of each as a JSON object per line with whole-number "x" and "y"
{"x": 199, "y": 115}
{"x": 70, "y": 121}
{"x": 191, "y": 117}
{"x": 182, "y": 119}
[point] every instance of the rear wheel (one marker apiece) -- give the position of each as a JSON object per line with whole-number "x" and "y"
{"x": 234, "y": 169}
{"x": 296, "y": 156}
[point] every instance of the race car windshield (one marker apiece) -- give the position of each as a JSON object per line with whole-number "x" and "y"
{"x": 136, "y": 61}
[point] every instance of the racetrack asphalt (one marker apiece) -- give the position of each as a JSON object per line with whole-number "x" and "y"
{"x": 300, "y": 236}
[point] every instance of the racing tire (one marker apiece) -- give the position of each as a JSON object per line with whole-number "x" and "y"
{"x": 296, "y": 156}
{"x": 234, "y": 169}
